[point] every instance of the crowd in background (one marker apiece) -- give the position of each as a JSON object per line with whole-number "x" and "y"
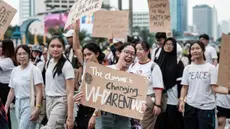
{"x": 182, "y": 90}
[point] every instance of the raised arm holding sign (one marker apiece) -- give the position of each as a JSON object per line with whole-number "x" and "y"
{"x": 82, "y": 8}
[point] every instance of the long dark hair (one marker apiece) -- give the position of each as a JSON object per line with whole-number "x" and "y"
{"x": 202, "y": 46}
{"x": 145, "y": 46}
{"x": 8, "y": 50}
{"x": 58, "y": 67}
{"x": 96, "y": 50}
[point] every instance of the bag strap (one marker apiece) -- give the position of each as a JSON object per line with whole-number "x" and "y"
{"x": 32, "y": 90}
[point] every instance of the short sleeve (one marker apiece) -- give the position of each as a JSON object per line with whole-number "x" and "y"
{"x": 180, "y": 69}
{"x": 11, "y": 83}
{"x": 185, "y": 77}
{"x": 157, "y": 79}
{"x": 40, "y": 65}
{"x": 68, "y": 71}
{"x": 214, "y": 75}
{"x": 37, "y": 76}
{"x": 213, "y": 53}
{"x": 6, "y": 64}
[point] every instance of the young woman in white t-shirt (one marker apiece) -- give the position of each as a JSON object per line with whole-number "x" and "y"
{"x": 20, "y": 84}
{"x": 59, "y": 88}
{"x": 7, "y": 64}
{"x": 199, "y": 85}
{"x": 146, "y": 67}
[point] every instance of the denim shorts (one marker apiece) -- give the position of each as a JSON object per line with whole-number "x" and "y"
{"x": 112, "y": 121}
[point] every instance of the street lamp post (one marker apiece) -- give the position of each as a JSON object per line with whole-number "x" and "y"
{"x": 130, "y": 17}
{"x": 120, "y": 4}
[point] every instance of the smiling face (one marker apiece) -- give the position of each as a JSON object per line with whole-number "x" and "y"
{"x": 56, "y": 48}
{"x": 141, "y": 52}
{"x": 196, "y": 51}
{"x": 168, "y": 47}
{"x": 89, "y": 55}
{"x": 22, "y": 56}
{"x": 126, "y": 56}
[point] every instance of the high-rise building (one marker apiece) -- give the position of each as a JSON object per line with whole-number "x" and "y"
{"x": 179, "y": 15}
{"x": 30, "y": 8}
{"x": 52, "y": 5}
{"x": 58, "y": 4}
{"x": 215, "y": 24}
{"x": 141, "y": 19}
{"x": 26, "y": 9}
{"x": 203, "y": 19}
{"x": 224, "y": 27}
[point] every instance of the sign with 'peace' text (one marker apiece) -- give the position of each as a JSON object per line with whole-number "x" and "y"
{"x": 114, "y": 91}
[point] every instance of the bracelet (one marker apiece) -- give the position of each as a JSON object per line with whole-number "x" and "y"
{"x": 39, "y": 106}
{"x": 159, "y": 106}
{"x": 182, "y": 99}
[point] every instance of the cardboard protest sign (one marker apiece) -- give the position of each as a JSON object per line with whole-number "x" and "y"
{"x": 111, "y": 23}
{"x": 82, "y": 8}
{"x": 224, "y": 64}
{"x": 7, "y": 13}
{"x": 159, "y": 16}
{"x": 114, "y": 91}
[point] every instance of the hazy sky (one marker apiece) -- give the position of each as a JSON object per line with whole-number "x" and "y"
{"x": 222, "y": 6}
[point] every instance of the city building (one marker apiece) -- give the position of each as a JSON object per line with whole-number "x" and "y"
{"x": 30, "y": 8}
{"x": 224, "y": 27}
{"x": 52, "y": 5}
{"x": 203, "y": 19}
{"x": 179, "y": 15}
{"x": 141, "y": 19}
{"x": 215, "y": 24}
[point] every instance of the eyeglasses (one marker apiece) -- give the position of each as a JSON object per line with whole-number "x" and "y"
{"x": 169, "y": 45}
{"x": 127, "y": 52}
{"x": 22, "y": 54}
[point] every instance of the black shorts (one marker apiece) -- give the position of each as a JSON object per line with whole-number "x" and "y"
{"x": 195, "y": 118}
{"x": 223, "y": 112}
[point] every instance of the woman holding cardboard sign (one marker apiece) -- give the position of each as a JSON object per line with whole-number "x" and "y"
{"x": 86, "y": 117}
{"x": 152, "y": 71}
{"x": 199, "y": 85}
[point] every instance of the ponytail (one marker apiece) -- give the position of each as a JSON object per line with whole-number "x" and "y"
{"x": 58, "y": 67}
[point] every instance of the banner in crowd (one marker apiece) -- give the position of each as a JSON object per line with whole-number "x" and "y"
{"x": 7, "y": 13}
{"x": 159, "y": 16}
{"x": 111, "y": 24}
{"x": 114, "y": 91}
{"x": 55, "y": 21}
{"x": 224, "y": 64}
{"x": 82, "y": 8}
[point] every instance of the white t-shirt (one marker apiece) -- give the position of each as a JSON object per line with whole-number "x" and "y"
{"x": 154, "y": 76}
{"x": 172, "y": 96}
{"x": 20, "y": 80}
{"x": 6, "y": 67}
{"x": 199, "y": 78}
{"x": 222, "y": 100}
{"x": 40, "y": 65}
{"x": 57, "y": 86}
{"x": 210, "y": 54}
{"x": 155, "y": 53}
